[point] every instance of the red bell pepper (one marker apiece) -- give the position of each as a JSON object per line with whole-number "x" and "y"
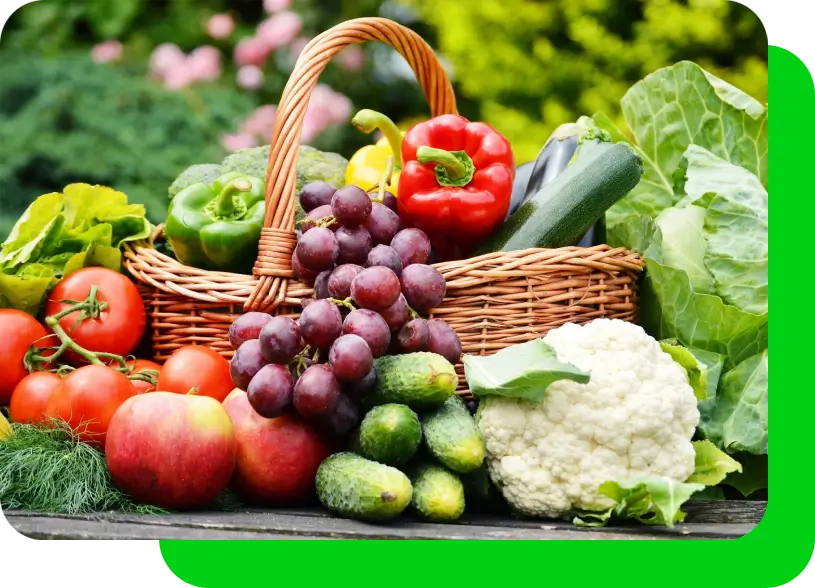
{"x": 456, "y": 183}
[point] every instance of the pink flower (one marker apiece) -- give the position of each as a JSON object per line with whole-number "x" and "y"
{"x": 205, "y": 63}
{"x": 220, "y": 26}
{"x": 179, "y": 77}
{"x": 334, "y": 107}
{"x": 164, "y": 58}
{"x": 272, "y": 6}
{"x": 261, "y": 122}
{"x": 280, "y": 29}
{"x": 298, "y": 45}
{"x": 352, "y": 58}
{"x": 107, "y": 52}
{"x": 251, "y": 51}
{"x": 314, "y": 123}
{"x": 250, "y": 77}
{"x": 235, "y": 141}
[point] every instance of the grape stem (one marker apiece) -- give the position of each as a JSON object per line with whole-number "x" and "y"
{"x": 347, "y": 303}
{"x": 90, "y": 308}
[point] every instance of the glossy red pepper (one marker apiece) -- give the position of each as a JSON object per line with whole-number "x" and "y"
{"x": 456, "y": 183}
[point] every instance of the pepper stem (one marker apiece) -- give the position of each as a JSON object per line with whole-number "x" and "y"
{"x": 368, "y": 121}
{"x": 453, "y": 168}
{"x": 225, "y": 204}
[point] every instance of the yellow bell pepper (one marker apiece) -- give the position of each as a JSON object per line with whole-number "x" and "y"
{"x": 367, "y": 166}
{"x": 5, "y": 427}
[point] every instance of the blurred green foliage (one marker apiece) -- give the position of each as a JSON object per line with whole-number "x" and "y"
{"x": 534, "y": 65}
{"x": 70, "y": 120}
{"x": 524, "y": 66}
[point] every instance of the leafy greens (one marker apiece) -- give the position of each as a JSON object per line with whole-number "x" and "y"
{"x": 62, "y": 232}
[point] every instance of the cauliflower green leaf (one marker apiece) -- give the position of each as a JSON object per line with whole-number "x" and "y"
{"x": 521, "y": 371}
{"x": 712, "y": 465}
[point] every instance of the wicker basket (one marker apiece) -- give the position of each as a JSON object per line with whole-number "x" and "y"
{"x": 492, "y": 301}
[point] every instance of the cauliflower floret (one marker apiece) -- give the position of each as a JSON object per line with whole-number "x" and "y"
{"x": 634, "y": 418}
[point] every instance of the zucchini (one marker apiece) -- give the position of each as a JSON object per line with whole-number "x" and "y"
{"x": 562, "y": 212}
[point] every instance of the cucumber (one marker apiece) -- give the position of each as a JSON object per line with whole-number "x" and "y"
{"x": 563, "y": 211}
{"x": 420, "y": 380}
{"x": 452, "y": 437}
{"x": 390, "y": 434}
{"x": 438, "y": 494}
{"x": 354, "y": 487}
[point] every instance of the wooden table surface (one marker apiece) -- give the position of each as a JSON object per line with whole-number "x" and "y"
{"x": 705, "y": 520}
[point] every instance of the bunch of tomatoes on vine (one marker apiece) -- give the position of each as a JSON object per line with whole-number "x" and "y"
{"x": 79, "y": 364}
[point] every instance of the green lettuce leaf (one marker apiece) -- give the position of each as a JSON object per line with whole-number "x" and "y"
{"x": 521, "y": 371}
{"x": 712, "y": 465}
{"x": 736, "y": 420}
{"x": 684, "y": 246}
{"x": 683, "y": 105}
{"x": 653, "y": 501}
{"x": 60, "y": 233}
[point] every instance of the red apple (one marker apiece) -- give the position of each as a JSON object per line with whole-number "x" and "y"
{"x": 174, "y": 451}
{"x": 277, "y": 458}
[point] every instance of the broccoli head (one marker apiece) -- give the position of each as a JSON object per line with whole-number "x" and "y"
{"x": 200, "y": 172}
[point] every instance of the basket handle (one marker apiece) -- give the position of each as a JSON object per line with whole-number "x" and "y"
{"x": 277, "y": 240}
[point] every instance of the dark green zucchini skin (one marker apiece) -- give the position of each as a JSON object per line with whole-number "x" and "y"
{"x": 561, "y": 213}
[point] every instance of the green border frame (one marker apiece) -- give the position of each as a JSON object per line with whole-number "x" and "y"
{"x": 773, "y": 554}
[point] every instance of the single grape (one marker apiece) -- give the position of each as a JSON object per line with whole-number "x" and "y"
{"x": 412, "y": 245}
{"x": 351, "y": 205}
{"x": 321, "y": 285}
{"x": 301, "y": 273}
{"x": 316, "y": 215}
{"x": 382, "y": 224}
{"x": 280, "y": 340}
{"x": 386, "y": 256}
{"x": 270, "y": 391}
{"x": 316, "y": 392}
{"x": 360, "y": 389}
{"x": 414, "y": 336}
{"x": 320, "y": 324}
{"x": 318, "y": 250}
{"x": 472, "y": 406}
{"x": 344, "y": 418}
{"x": 371, "y": 327}
{"x": 391, "y": 202}
{"x": 350, "y": 358}
{"x": 444, "y": 341}
{"x": 247, "y": 361}
{"x": 375, "y": 288}
{"x": 246, "y": 327}
{"x": 339, "y": 283}
{"x": 316, "y": 194}
{"x": 355, "y": 244}
{"x": 423, "y": 286}
{"x": 397, "y": 314}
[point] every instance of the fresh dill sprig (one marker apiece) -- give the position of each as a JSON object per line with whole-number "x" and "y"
{"x": 48, "y": 469}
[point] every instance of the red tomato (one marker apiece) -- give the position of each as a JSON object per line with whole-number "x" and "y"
{"x": 87, "y": 398}
{"x": 119, "y": 327}
{"x": 31, "y": 396}
{"x": 141, "y": 365}
{"x": 195, "y": 366}
{"x": 18, "y": 331}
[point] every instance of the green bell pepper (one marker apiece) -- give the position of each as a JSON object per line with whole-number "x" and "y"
{"x": 216, "y": 226}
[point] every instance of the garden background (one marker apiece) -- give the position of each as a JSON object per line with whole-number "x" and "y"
{"x": 128, "y": 93}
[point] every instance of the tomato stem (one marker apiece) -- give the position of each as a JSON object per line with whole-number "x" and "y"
{"x": 91, "y": 308}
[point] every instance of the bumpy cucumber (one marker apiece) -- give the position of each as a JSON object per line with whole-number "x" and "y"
{"x": 420, "y": 380}
{"x": 390, "y": 434}
{"x": 452, "y": 437}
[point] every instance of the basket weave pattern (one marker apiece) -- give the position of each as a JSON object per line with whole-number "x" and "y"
{"x": 492, "y": 301}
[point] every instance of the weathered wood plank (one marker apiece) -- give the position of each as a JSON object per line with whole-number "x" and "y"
{"x": 725, "y": 511}
{"x": 316, "y": 523}
{"x": 77, "y": 529}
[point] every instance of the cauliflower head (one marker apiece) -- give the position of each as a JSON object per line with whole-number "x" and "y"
{"x": 634, "y": 418}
